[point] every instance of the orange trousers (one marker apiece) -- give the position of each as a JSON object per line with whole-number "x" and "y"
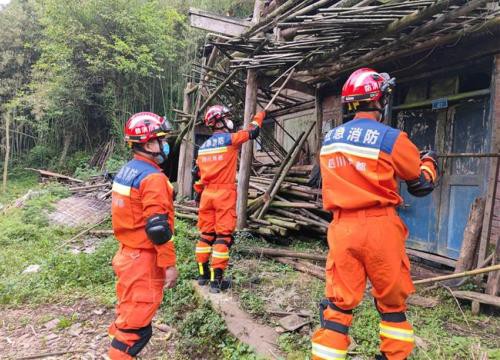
{"x": 139, "y": 291}
{"x": 216, "y": 222}
{"x": 365, "y": 243}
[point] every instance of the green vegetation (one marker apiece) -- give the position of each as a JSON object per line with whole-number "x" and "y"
{"x": 443, "y": 332}
{"x": 71, "y": 73}
{"x": 26, "y": 238}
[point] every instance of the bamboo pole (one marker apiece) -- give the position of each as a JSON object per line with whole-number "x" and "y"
{"x": 186, "y": 216}
{"x": 460, "y": 155}
{"x": 459, "y": 275}
{"x": 274, "y": 188}
{"x": 290, "y": 204}
{"x": 278, "y": 252}
{"x": 428, "y": 27}
{"x": 266, "y": 23}
{"x": 247, "y": 148}
{"x": 270, "y": 103}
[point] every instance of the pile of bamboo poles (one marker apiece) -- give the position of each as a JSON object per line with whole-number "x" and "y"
{"x": 349, "y": 29}
{"x": 296, "y": 208}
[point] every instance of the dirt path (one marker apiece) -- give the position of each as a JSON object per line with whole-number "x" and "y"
{"x": 79, "y": 329}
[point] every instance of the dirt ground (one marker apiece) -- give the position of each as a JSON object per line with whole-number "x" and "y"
{"x": 77, "y": 331}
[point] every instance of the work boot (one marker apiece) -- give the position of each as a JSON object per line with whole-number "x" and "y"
{"x": 204, "y": 276}
{"x": 217, "y": 281}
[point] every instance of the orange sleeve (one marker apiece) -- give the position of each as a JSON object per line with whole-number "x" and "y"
{"x": 405, "y": 158}
{"x": 239, "y": 137}
{"x": 243, "y": 135}
{"x": 407, "y": 163}
{"x": 157, "y": 197}
{"x": 258, "y": 118}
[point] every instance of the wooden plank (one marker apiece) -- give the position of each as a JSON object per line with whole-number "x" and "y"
{"x": 475, "y": 296}
{"x": 471, "y": 236}
{"x": 261, "y": 338}
{"x": 304, "y": 266}
{"x": 225, "y": 25}
{"x": 431, "y": 257}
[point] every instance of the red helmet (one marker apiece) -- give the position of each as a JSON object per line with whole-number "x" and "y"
{"x": 144, "y": 126}
{"x": 367, "y": 85}
{"x": 215, "y": 113}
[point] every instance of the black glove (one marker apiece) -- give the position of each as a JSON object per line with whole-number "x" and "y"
{"x": 195, "y": 171}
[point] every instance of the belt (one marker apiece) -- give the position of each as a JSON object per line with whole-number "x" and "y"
{"x": 364, "y": 213}
{"x": 125, "y": 249}
{"x": 221, "y": 186}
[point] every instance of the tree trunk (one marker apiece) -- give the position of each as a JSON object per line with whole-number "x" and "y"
{"x": 7, "y": 153}
{"x": 67, "y": 142}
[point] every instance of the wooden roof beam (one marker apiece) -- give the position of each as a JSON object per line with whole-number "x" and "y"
{"x": 225, "y": 25}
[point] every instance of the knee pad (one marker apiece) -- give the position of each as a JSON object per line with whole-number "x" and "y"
{"x": 144, "y": 334}
{"x": 329, "y": 324}
{"x": 227, "y": 240}
{"x": 395, "y": 317}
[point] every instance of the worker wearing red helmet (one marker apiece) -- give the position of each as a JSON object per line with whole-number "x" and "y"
{"x": 361, "y": 162}
{"x": 143, "y": 222}
{"x": 216, "y": 170}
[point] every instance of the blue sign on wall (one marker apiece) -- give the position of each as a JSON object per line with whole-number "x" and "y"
{"x": 439, "y": 104}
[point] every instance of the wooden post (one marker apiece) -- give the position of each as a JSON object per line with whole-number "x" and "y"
{"x": 184, "y": 177}
{"x": 247, "y": 148}
{"x": 493, "y": 196}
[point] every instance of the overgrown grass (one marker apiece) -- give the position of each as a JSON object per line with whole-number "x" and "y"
{"x": 19, "y": 181}
{"x": 26, "y": 239}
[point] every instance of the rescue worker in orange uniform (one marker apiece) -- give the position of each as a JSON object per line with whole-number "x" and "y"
{"x": 361, "y": 162}
{"x": 216, "y": 189}
{"x": 143, "y": 222}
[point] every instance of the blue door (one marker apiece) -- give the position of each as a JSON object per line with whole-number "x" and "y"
{"x": 420, "y": 214}
{"x": 437, "y": 222}
{"x": 465, "y": 178}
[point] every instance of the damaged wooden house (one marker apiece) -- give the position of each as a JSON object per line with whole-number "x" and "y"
{"x": 445, "y": 55}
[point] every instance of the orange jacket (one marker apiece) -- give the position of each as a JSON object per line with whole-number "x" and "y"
{"x": 218, "y": 156}
{"x": 361, "y": 161}
{"x": 141, "y": 190}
